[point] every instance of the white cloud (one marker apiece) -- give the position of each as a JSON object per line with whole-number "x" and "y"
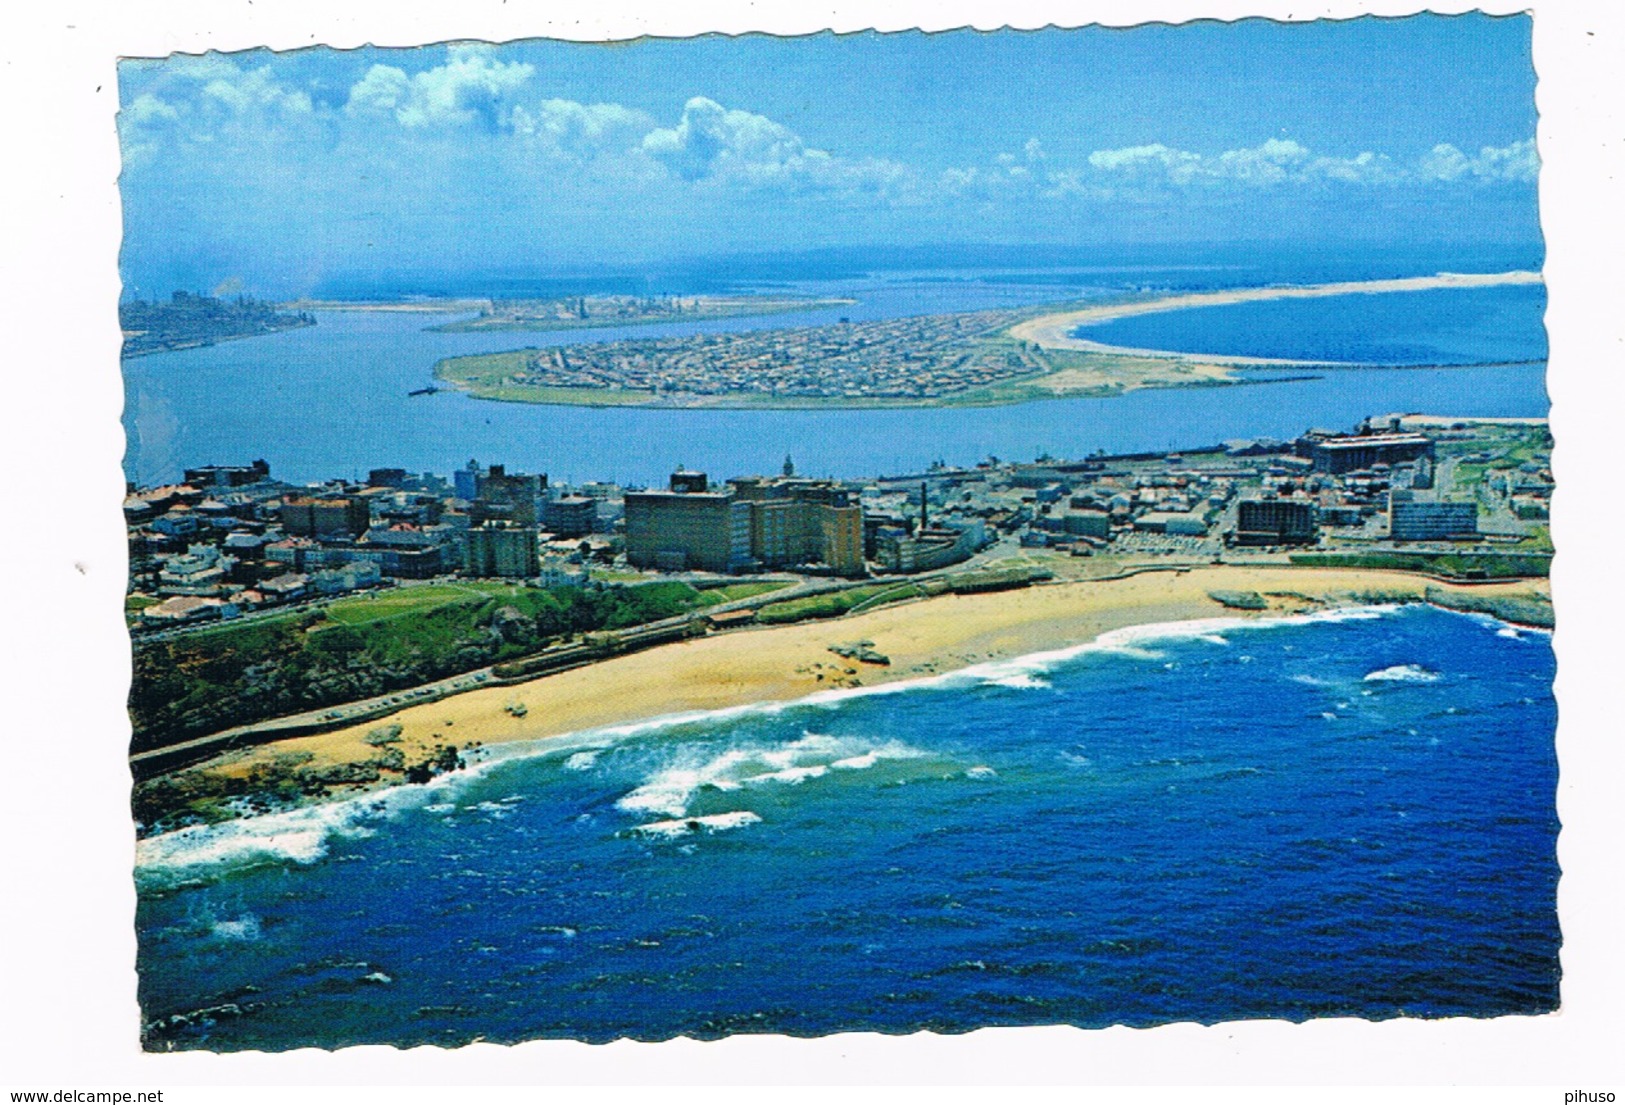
{"x": 1517, "y": 162}
{"x": 147, "y": 109}
{"x": 1277, "y": 162}
{"x": 1148, "y": 161}
{"x": 256, "y": 90}
{"x": 711, "y": 140}
{"x": 580, "y": 130}
{"x": 719, "y": 146}
{"x": 214, "y": 100}
{"x": 1366, "y": 168}
{"x": 1274, "y": 162}
{"x": 471, "y": 87}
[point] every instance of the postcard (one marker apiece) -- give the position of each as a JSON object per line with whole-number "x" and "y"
{"x": 804, "y": 535}
{"x": 761, "y": 535}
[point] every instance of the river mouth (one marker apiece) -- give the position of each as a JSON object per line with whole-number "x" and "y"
{"x": 333, "y": 399}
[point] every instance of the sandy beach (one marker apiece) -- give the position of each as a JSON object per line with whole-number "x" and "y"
{"x": 920, "y": 639}
{"x": 1055, "y": 331}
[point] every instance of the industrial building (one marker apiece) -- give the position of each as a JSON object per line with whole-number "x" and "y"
{"x": 1354, "y": 452}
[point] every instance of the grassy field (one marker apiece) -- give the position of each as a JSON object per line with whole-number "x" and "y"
{"x": 835, "y": 603}
{"x": 361, "y": 646}
{"x": 402, "y": 600}
{"x": 1463, "y": 564}
{"x": 732, "y": 592}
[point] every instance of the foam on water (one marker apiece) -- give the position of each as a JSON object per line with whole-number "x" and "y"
{"x": 688, "y": 826}
{"x": 1402, "y": 673}
{"x": 297, "y": 836}
{"x": 671, "y": 789}
{"x": 1078, "y": 855}
{"x": 244, "y": 928}
{"x": 1019, "y": 680}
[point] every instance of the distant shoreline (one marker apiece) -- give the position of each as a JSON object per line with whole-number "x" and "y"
{"x": 1054, "y": 331}
{"x": 403, "y": 306}
{"x": 703, "y": 309}
{"x": 127, "y": 354}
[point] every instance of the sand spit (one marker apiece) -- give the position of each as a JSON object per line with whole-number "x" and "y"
{"x": 1055, "y": 331}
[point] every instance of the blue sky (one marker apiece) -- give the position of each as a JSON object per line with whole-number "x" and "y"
{"x": 286, "y": 172}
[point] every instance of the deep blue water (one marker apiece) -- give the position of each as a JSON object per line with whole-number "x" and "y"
{"x": 1351, "y": 816}
{"x": 331, "y": 400}
{"x": 1443, "y": 326}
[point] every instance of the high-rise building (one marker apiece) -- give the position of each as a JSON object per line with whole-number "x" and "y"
{"x": 803, "y": 522}
{"x": 1352, "y": 452}
{"x": 501, "y": 549}
{"x": 570, "y": 516}
{"x": 687, "y": 527}
{"x": 1276, "y": 522}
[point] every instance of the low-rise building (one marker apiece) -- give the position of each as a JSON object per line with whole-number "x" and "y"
{"x": 182, "y": 610}
{"x": 1178, "y": 523}
{"x": 328, "y": 516}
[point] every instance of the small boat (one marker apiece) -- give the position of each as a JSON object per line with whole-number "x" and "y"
{"x": 430, "y": 390}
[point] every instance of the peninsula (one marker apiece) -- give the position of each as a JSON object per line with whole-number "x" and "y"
{"x": 975, "y": 358}
{"x": 963, "y": 359}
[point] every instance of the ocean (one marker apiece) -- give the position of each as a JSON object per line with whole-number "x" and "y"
{"x": 1442, "y": 326}
{"x": 331, "y": 400}
{"x": 1346, "y": 814}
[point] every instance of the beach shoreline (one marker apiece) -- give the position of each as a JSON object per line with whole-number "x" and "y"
{"x": 1054, "y": 331}
{"x": 919, "y": 640}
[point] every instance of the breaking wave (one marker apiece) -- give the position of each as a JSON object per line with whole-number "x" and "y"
{"x": 1403, "y": 673}
{"x": 672, "y": 788}
{"x": 689, "y": 826}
